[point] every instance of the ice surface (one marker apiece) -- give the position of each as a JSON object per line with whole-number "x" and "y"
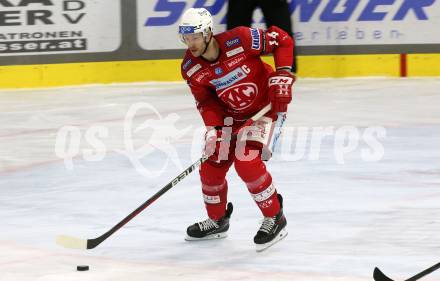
{"x": 345, "y": 215}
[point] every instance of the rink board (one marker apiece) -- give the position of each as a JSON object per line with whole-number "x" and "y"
{"x": 52, "y": 75}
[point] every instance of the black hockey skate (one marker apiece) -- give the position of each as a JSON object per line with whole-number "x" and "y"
{"x": 210, "y": 229}
{"x": 272, "y": 230}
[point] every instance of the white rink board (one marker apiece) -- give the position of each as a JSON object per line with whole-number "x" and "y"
{"x": 61, "y": 26}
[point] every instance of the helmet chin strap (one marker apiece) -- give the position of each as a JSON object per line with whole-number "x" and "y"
{"x": 207, "y": 44}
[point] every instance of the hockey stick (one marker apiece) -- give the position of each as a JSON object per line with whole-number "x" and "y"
{"x": 380, "y": 276}
{"x": 278, "y": 128}
{"x": 86, "y": 244}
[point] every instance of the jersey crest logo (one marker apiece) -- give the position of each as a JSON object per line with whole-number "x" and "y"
{"x": 240, "y": 96}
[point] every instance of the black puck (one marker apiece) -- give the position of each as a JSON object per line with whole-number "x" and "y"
{"x": 82, "y": 267}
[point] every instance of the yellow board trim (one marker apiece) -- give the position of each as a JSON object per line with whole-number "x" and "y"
{"x": 424, "y": 65}
{"x": 348, "y": 66}
{"x": 54, "y": 75}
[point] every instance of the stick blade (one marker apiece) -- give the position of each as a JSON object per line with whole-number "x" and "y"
{"x": 379, "y": 276}
{"x": 71, "y": 242}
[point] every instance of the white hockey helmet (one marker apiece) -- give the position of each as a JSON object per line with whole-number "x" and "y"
{"x": 195, "y": 20}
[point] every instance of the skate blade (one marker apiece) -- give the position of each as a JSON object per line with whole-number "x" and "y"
{"x": 261, "y": 247}
{"x": 208, "y": 237}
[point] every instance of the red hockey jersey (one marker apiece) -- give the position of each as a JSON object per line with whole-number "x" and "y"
{"x": 236, "y": 84}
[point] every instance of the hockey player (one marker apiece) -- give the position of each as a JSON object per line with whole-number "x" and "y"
{"x": 230, "y": 83}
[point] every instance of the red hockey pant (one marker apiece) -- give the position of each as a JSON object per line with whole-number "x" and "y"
{"x": 253, "y": 173}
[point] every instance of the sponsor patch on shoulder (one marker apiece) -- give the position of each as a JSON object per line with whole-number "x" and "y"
{"x": 193, "y": 69}
{"x": 235, "y": 51}
{"x": 233, "y": 42}
{"x": 255, "y": 34}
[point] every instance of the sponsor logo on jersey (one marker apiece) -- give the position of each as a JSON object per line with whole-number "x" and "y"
{"x": 235, "y": 51}
{"x": 218, "y": 71}
{"x": 239, "y": 96}
{"x": 255, "y": 34}
{"x": 233, "y": 42}
{"x": 193, "y": 69}
{"x": 200, "y": 76}
{"x": 186, "y": 64}
{"x": 231, "y": 63}
{"x": 228, "y": 80}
